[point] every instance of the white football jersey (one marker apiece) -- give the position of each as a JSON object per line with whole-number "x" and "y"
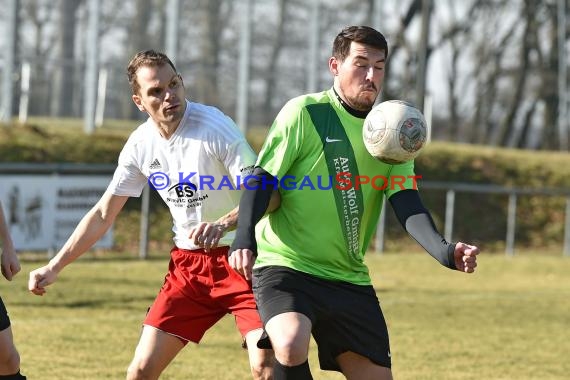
{"x": 197, "y": 172}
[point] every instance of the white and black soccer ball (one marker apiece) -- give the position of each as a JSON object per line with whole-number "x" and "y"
{"x": 395, "y": 131}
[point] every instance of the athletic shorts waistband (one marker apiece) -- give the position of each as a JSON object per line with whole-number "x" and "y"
{"x": 223, "y": 250}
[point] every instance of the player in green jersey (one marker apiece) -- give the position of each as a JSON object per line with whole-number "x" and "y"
{"x": 309, "y": 275}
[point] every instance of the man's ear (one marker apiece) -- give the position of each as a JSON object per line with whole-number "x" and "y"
{"x": 333, "y": 65}
{"x": 138, "y": 102}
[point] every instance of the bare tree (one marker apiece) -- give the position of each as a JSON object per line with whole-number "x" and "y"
{"x": 275, "y": 50}
{"x": 138, "y": 32}
{"x": 13, "y": 51}
{"x": 488, "y": 72}
{"x": 205, "y": 44}
{"x": 207, "y": 84}
{"x": 38, "y": 47}
{"x": 520, "y": 74}
{"x": 64, "y": 87}
{"x": 396, "y": 81}
{"x": 453, "y": 35}
{"x": 139, "y": 40}
{"x": 548, "y": 74}
{"x": 499, "y": 71}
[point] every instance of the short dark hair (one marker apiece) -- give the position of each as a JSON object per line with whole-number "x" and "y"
{"x": 147, "y": 58}
{"x": 362, "y": 34}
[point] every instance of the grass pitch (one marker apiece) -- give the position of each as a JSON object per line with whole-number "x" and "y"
{"x": 507, "y": 321}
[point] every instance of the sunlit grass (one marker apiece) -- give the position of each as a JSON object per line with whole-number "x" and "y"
{"x": 507, "y": 321}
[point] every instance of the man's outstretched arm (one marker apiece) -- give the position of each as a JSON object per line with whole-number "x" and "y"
{"x": 417, "y": 221}
{"x": 90, "y": 229}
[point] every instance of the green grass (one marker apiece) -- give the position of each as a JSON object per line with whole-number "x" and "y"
{"x": 507, "y": 321}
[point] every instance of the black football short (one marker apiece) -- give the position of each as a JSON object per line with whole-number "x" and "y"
{"x": 345, "y": 316}
{"x": 4, "y": 320}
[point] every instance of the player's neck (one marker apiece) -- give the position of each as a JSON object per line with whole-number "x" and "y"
{"x": 166, "y": 130}
{"x": 348, "y": 108}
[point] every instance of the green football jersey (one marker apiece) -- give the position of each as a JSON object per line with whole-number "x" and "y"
{"x": 326, "y": 220}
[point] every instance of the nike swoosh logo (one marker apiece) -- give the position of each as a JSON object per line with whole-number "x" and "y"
{"x": 389, "y": 354}
{"x": 329, "y": 140}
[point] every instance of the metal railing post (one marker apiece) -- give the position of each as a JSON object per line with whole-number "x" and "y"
{"x": 449, "y": 213}
{"x": 511, "y": 224}
{"x": 381, "y": 228}
{"x": 566, "y": 250}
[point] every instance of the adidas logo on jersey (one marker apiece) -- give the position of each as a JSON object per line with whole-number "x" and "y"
{"x": 155, "y": 164}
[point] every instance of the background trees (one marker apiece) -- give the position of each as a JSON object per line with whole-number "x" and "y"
{"x": 493, "y": 66}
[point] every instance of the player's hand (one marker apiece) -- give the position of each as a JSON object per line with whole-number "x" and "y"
{"x": 466, "y": 257}
{"x": 207, "y": 234}
{"x": 10, "y": 264}
{"x": 242, "y": 261}
{"x": 40, "y": 278}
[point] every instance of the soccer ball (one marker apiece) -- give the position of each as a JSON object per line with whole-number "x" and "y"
{"x": 395, "y": 132}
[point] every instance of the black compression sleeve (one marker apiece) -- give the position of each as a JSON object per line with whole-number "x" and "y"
{"x": 252, "y": 207}
{"x": 417, "y": 221}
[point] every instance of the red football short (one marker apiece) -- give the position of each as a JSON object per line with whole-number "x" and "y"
{"x": 198, "y": 290}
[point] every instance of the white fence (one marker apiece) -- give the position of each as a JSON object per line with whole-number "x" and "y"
{"x": 512, "y": 193}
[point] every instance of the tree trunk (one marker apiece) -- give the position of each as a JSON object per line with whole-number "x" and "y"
{"x": 507, "y": 124}
{"x": 207, "y": 82}
{"x": 64, "y": 84}
{"x": 270, "y": 77}
{"x": 138, "y": 37}
{"x": 399, "y": 42}
{"x": 549, "y": 93}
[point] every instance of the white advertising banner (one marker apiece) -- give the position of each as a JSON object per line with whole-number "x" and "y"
{"x": 43, "y": 210}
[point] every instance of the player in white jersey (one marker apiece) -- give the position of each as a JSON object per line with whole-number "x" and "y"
{"x": 195, "y": 157}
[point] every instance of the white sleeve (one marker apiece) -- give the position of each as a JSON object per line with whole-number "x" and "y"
{"x": 235, "y": 153}
{"x": 239, "y": 160}
{"x": 127, "y": 180}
